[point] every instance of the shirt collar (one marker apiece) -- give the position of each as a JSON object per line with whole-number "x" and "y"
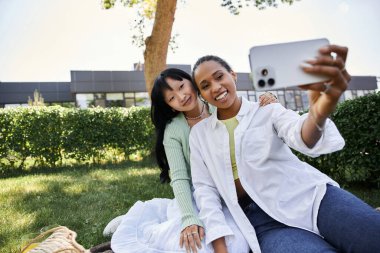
{"x": 244, "y": 109}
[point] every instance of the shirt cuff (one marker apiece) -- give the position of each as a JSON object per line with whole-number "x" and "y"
{"x": 217, "y": 232}
{"x": 191, "y": 221}
{"x": 330, "y": 140}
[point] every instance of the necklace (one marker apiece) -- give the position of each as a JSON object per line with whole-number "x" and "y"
{"x": 197, "y": 117}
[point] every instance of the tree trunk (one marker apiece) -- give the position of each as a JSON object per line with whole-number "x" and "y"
{"x": 157, "y": 44}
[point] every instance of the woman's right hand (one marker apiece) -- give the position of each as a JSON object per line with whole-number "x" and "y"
{"x": 192, "y": 237}
{"x": 323, "y": 97}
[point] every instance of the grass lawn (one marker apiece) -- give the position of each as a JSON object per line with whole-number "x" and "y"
{"x": 83, "y": 199}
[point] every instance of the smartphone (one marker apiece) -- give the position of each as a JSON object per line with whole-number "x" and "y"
{"x": 278, "y": 66}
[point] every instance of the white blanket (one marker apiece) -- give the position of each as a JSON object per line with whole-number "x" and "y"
{"x": 154, "y": 226}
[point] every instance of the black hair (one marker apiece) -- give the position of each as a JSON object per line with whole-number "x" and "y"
{"x": 162, "y": 114}
{"x": 214, "y": 58}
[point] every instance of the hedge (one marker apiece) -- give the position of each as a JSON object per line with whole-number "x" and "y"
{"x": 358, "y": 120}
{"x": 49, "y": 135}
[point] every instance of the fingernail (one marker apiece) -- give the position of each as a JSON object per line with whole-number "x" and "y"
{"x": 310, "y": 61}
{"x": 305, "y": 65}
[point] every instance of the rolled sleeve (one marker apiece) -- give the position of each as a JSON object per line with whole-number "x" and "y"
{"x": 288, "y": 125}
{"x": 330, "y": 141}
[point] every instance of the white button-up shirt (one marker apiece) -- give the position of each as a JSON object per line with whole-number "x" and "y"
{"x": 284, "y": 187}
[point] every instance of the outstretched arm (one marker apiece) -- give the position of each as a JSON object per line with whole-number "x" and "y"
{"x": 323, "y": 97}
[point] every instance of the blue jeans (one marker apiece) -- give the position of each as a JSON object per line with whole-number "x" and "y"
{"x": 346, "y": 223}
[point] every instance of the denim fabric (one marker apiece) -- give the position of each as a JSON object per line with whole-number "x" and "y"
{"x": 275, "y": 237}
{"x": 348, "y": 223}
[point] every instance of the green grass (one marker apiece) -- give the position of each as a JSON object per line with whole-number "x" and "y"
{"x": 84, "y": 199}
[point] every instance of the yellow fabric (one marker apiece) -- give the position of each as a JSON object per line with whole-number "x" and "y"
{"x": 59, "y": 239}
{"x": 231, "y": 124}
{"x": 30, "y": 247}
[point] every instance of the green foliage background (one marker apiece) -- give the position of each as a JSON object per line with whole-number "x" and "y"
{"x": 358, "y": 120}
{"x": 51, "y": 135}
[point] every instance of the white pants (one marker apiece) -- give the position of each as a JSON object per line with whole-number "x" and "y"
{"x": 154, "y": 226}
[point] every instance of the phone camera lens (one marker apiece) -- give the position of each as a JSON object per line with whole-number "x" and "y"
{"x": 271, "y": 81}
{"x": 264, "y": 72}
{"x": 261, "y": 83}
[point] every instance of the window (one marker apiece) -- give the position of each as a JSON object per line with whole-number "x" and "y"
{"x": 129, "y": 99}
{"x": 348, "y": 94}
{"x": 242, "y": 93}
{"x": 100, "y": 99}
{"x": 85, "y": 100}
{"x": 251, "y": 95}
{"x": 142, "y": 99}
{"x": 299, "y": 104}
{"x": 114, "y": 100}
{"x": 64, "y": 104}
{"x": 305, "y": 99}
{"x": 290, "y": 101}
{"x": 281, "y": 98}
{"x": 15, "y": 105}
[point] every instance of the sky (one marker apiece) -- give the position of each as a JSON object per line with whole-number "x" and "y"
{"x": 43, "y": 40}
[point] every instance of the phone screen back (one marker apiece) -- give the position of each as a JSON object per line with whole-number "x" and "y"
{"x": 279, "y": 65}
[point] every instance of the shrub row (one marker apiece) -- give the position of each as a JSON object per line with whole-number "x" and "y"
{"x": 358, "y": 120}
{"x": 50, "y": 134}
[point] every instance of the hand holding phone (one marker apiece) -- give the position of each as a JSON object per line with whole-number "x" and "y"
{"x": 278, "y": 66}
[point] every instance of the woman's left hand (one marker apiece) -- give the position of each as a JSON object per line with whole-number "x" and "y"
{"x": 323, "y": 97}
{"x": 267, "y": 98}
{"x": 191, "y": 237}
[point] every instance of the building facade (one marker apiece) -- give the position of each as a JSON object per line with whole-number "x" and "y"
{"x": 127, "y": 88}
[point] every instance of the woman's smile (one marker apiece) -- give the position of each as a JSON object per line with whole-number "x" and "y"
{"x": 222, "y": 96}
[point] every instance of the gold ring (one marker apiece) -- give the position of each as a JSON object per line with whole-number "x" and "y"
{"x": 194, "y": 232}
